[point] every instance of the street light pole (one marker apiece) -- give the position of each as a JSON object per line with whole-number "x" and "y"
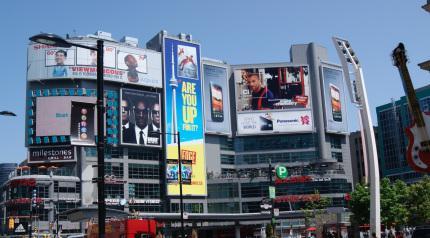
{"x": 180, "y": 185}
{"x": 100, "y": 142}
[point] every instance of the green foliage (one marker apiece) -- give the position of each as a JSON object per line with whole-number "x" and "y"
{"x": 400, "y": 204}
{"x": 360, "y": 204}
{"x": 419, "y": 202}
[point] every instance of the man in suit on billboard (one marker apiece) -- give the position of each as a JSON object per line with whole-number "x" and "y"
{"x": 137, "y": 133}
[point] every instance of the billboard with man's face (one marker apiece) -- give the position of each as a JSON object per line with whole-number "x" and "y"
{"x": 273, "y": 99}
{"x": 122, "y": 64}
{"x": 184, "y": 117}
{"x": 140, "y": 118}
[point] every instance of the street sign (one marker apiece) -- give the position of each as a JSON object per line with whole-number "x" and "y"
{"x": 281, "y": 172}
{"x": 272, "y": 192}
{"x": 276, "y": 212}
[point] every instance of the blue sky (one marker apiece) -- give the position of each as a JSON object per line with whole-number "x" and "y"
{"x": 235, "y": 31}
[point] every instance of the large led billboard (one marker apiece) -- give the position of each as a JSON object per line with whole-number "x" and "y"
{"x": 122, "y": 64}
{"x": 334, "y": 99}
{"x": 272, "y": 99}
{"x": 140, "y": 118}
{"x": 54, "y": 115}
{"x": 184, "y": 116}
{"x": 216, "y": 98}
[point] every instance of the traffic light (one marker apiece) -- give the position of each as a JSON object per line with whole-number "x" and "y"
{"x": 33, "y": 199}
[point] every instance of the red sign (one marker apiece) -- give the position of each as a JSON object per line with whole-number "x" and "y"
{"x": 296, "y": 179}
{"x": 298, "y": 198}
{"x": 22, "y": 182}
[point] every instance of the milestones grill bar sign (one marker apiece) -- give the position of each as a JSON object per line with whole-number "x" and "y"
{"x": 51, "y": 154}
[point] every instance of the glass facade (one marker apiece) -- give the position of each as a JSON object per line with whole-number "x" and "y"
{"x": 393, "y": 119}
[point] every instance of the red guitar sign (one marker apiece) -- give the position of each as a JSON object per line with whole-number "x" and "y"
{"x": 418, "y": 151}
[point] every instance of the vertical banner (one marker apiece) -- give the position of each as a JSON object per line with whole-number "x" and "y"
{"x": 334, "y": 100}
{"x": 216, "y": 98}
{"x": 82, "y": 124}
{"x": 184, "y": 114}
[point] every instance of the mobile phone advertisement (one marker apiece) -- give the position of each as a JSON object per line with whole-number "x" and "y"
{"x": 334, "y": 100}
{"x": 216, "y": 98}
{"x": 184, "y": 114}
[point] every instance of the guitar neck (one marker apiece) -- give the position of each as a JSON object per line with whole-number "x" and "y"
{"x": 414, "y": 106}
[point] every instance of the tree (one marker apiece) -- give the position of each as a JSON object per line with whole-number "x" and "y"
{"x": 360, "y": 205}
{"x": 316, "y": 210}
{"x": 418, "y": 201}
{"x": 394, "y": 210}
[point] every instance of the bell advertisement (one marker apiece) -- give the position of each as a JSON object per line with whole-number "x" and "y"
{"x": 184, "y": 116}
{"x": 334, "y": 99}
{"x": 216, "y": 98}
{"x": 122, "y": 64}
{"x": 272, "y": 99}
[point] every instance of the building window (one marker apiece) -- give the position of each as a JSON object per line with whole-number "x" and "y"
{"x": 114, "y": 190}
{"x": 255, "y": 189}
{"x": 139, "y": 154}
{"x": 336, "y": 142}
{"x": 223, "y": 190}
{"x": 227, "y": 207}
{"x": 64, "y": 206}
{"x": 188, "y": 207}
{"x": 144, "y": 190}
{"x": 226, "y": 143}
{"x": 116, "y": 169}
{"x": 143, "y": 171}
{"x": 337, "y": 156}
{"x": 251, "y": 207}
{"x": 227, "y": 159}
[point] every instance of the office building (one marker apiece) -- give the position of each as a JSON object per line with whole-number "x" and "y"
{"x": 232, "y": 122}
{"x": 393, "y": 119}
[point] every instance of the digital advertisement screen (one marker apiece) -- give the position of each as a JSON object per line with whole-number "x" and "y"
{"x": 184, "y": 114}
{"x": 334, "y": 99}
{"x": 276, "y": 88}
{"x": 54, "y": 115}
{"x": 140, "y": 118}
{"x": 216, "y": 99}
{"x": 122, "y": 64}
{"x": 273, "y": 99}
{"x": 82, "y": 124}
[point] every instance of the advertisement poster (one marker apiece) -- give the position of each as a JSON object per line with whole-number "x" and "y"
{"x": 274, "y": 88}
{"x": 184, "y": 113}
{"x": 53, "y": 114}
{"x": 216, "y": 99}
{"x": 122, "y": 64}
{"x": 334, "y": 100}
{"x": 274, "y": 122}
{"x": 140, "y": 118}
{"x": 273, "y": 100}
{"x": 82, "y": 123}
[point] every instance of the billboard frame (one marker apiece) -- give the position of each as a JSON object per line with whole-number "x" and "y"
{"x": 204, "y": 91}
{"x": 161, "y": 121}
{"x": 272, "y": 65}
{"x": 339, "y": 68}
{"x": 166, "y": 132}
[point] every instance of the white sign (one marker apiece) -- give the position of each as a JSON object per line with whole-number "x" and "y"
{"x": 20, "y": 229}
{"x": 274, "y": 122}
{"x": 122, "y": 64}
{"x": 276, "y": 212}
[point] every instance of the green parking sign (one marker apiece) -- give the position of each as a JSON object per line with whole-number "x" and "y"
{"x": 281, "y": 172}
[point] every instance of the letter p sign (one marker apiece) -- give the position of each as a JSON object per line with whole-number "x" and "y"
{"x": 281, "y": 172}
